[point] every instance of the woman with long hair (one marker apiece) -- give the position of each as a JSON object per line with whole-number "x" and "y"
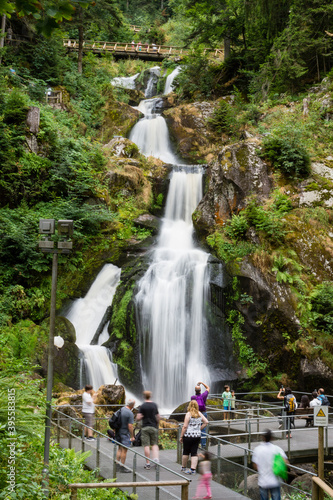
{"x": 190, "y": 436}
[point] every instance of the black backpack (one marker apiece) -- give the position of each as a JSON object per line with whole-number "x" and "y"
{"x": 137, "y": 440}
{"x": 115, "y": 420}
{"x": 324, "y": 400}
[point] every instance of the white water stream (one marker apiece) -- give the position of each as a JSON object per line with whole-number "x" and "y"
{"x": 86, "y": 314}
{"x": 170, "y": 301}
{"x": 169, "y": 81}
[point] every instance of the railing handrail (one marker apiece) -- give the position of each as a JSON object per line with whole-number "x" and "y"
{"x": 123, "y": 446}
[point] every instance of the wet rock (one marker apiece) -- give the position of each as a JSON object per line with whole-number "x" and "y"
{"x": 148, "y": 221}
{"x": 66, "y": 359}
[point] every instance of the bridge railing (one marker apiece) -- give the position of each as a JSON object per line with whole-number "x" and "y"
{"x": 69, "y": 432}
{"x": 136, "y": 48}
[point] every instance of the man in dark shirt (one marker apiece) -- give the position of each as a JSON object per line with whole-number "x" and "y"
{"x": 201, "y": 400}
{"x": 150, "y": 417}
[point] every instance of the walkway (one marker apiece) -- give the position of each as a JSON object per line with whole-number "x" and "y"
{"x": 148, "y": 52}
{"x": 167, "y": 458}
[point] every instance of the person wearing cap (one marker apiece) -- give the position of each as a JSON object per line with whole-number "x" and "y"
{"x": 125, "y": 435}
{"x": 201, "y": 400}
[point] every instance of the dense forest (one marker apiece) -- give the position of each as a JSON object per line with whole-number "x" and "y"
{"x": 274, "y": 85}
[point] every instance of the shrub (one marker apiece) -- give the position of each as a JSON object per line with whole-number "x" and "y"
{"x": 222, "y": 119}
{"x": 321, "y": 301}
{"x": 286, "y": 155}
{"x": 237, "y": 226}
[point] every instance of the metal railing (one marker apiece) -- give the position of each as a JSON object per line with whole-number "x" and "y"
{"x": 71, "y": 428}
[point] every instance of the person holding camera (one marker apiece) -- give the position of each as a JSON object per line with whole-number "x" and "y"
{"x": 289, "y": 406}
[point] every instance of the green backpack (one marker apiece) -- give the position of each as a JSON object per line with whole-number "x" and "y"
{"x": 280, "y": 467}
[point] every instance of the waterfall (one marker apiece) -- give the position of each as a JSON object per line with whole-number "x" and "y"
{"x": 126, "y": 82}
{"x": 171, "y": 295}
{"x": 151, "y": 134}
{"x": 86, "y": 315}
{"x": 169, "y": 81}
{"x": 170, "y": 300}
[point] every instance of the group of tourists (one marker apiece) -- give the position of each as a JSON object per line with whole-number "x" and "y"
{"x": 290, "y": 406}
{"x": 193, "y": 434}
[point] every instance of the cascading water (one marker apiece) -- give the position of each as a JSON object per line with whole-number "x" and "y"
{"x": 170, "y": 300}
{"x": 169, "y": 81}
{"x": 86, "y": 315}
{"x": 151, "y": 134}
{"x": 171, "y": 297}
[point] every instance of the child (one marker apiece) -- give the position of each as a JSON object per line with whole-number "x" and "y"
{"x": 206, "y": 475}
{"x": 226, "y": 396}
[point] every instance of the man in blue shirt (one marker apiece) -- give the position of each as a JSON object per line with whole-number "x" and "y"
{"x": 201, "y": 400}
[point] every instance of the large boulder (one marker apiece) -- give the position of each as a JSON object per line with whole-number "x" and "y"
{"x": 188, "y": 126}
{"x": 252, "y": 487}
{"x": 118, "y": 119}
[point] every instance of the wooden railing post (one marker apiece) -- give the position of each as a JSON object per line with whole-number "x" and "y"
{"x": 73, "y": 494}
{"x": 184, "y": 492}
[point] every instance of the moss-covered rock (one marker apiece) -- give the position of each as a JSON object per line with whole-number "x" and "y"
{"x": 188, "y": 126}
{"x": 118, "y": 119}
{"x": 237, "y": 173}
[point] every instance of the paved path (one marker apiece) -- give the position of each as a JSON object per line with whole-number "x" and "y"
{"x": 167, "y": 458}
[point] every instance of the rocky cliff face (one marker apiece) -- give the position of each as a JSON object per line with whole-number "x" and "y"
{"x": 237, "y": 173}
{"x": 188, "y": 126}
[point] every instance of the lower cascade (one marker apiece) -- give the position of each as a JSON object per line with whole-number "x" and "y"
{"x": 86, "y": 314}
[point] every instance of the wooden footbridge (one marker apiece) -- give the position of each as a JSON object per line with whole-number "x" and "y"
{"x": 148, "y": 52}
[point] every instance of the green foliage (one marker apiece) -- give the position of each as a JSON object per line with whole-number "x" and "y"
{"x": 287, "y": 156}
{"x": 228, "y": 251}
{"x": 321, "y": 300}
{"x": 222, "y": 119}
{"x": 245, "y": 353}
{"x": 267, "y": 221}
{"x": 237, "y": 226}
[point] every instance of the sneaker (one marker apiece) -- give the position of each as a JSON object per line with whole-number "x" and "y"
{"x": 91, "y": 439}
{"x": 146, "y": 466}
{"x": 190, "y": 471}
{"x": 183, "y": 469}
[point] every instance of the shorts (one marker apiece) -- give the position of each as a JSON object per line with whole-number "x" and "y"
{"x": 124, "y": 438}
{"x": 89, "y": 419}
{"x": 226, "y": 408}
{"x": 149, "y": 436}
{"x": 190, "y": 446}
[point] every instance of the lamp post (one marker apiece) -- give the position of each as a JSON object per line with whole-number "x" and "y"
{"x": 65, "y": 232}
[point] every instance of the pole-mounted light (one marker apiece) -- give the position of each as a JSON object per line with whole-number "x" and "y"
{"x": 47, "y": 245}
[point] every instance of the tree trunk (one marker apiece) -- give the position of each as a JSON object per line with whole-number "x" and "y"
{"x": 3, "y": 30}
{"x": 226, "y": 48}
{"x": 80, "y": 52}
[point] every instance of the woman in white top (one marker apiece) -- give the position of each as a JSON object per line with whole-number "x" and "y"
{"x": 190, "y": 436}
